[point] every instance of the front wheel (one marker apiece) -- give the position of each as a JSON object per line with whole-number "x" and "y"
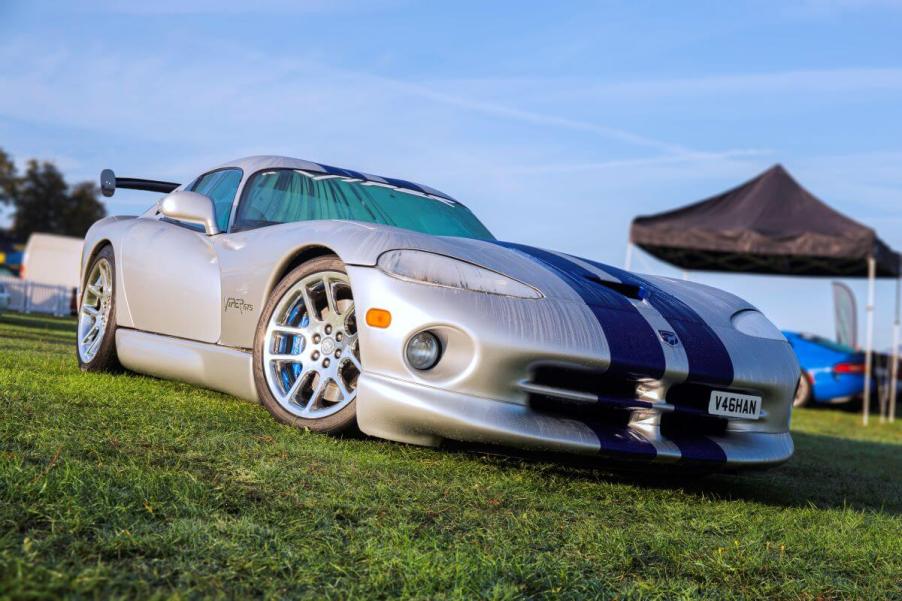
{"x": 306, "y": 353}
{"x": 803, "y": 392}
{"x": 96, "y": 336}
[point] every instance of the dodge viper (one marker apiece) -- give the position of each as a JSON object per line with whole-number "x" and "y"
{"x": 342, "y": 300}
{"x": 831, "y": 372}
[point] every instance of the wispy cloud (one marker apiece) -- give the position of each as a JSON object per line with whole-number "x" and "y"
{"x": 537, "y": 118}
{"x": 127, "y": 91}
{"x": 809, "y": 82}
{"x": 687, "y": 157}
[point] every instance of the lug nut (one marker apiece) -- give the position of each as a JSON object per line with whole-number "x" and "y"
{"x": 328, "y": 329}
{"x": 316, "y": 339}
{"x": 326, "y": 362}
{"x": 338, "y": 353}
{"x": 338, "y": 337}
{"x": 315, "y": 355}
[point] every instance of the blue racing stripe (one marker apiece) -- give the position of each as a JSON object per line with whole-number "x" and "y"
{"x": 634, "y": 345}
{"x": 620, "y": 440}
{"x": 698, "y": 449}
{"x": 709, "y": 360}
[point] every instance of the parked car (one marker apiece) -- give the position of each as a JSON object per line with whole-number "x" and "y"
{"x": 831, "y": 372}
{"x": 344, "y": 300}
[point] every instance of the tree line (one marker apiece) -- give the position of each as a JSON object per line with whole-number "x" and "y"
{"x": 42, "y": 201}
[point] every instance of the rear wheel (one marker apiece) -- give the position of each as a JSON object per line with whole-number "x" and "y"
{"x": 306, "y": 354}
{"x": 803, "y": 392}
{"x": 96, "y": 336}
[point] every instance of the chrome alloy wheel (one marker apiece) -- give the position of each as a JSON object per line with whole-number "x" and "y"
{"x": 311, "y": 358}
{"x": 96, "y": 302}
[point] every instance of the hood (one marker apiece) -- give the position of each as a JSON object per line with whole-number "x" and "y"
{"x": 556, "y": 275}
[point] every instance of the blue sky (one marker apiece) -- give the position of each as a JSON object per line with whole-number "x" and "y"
{"x": 555, "y": 122}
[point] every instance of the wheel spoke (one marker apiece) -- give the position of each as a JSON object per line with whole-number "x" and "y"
{"x": 312, "y": 314}
{"x": 330, "y": 296}
{"x": 314, "y": 401}
{"x": 92, "y": 311}
{"x": 354, "y": 361}
{"x": 94, "y": 344}
{"x": 93, "y": 330}
{"x": 283, "y": 329}
{"x": 345, "y": 393}
{"x": 285, "y": 358}
{"x": 295, "y": 386}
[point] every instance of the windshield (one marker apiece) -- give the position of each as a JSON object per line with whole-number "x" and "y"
{"x": 835, "y": 346}
{"x": 286, "y": 195}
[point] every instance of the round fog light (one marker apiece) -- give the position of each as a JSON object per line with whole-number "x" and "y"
{"x": 423, "y": 351}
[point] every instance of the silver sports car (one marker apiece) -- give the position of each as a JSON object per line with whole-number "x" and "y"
{"x": 344, "y": 300}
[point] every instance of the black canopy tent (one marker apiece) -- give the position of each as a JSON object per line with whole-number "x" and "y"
{"x": 770, "y": 225}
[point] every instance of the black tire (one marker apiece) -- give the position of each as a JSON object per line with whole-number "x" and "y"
{"x": 803, "y": 392}
{"x": 105, "y": 358}
{"x": 344, "y": 420}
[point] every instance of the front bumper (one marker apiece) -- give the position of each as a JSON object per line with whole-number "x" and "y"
{"x": 484, "y": 389}
{"x": 417, "y": 414}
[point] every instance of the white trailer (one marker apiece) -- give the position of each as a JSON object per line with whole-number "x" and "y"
{"x": 52, "y": 260}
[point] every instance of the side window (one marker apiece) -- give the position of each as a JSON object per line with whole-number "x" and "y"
{"x": 220, "y": 186}
{"x": 276, "y": 196}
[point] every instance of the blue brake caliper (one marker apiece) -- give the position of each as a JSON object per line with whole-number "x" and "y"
{"x": 292, "y": 345}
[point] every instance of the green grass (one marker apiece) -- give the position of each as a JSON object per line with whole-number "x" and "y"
{"x": 126, "y": 486}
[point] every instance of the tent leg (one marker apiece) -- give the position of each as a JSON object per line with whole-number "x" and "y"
{"x": 628, "y": 263}
{"x": 894, "y": 369}
{"x": 869, "y": 345}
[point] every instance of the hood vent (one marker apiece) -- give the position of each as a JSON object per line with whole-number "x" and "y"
{"x": 627, "y": 290}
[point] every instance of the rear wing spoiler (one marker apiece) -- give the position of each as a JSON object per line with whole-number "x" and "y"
{"x": 109, "y": 182}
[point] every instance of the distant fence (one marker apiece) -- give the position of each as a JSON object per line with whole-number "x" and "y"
{"x": 30, "y": 297}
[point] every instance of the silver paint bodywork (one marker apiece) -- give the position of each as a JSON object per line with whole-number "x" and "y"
{"x": 187, "y": 305}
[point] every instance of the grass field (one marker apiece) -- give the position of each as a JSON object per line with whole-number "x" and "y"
{"x": 126, "y": 486}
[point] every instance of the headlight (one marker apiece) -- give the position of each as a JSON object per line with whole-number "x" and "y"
{"x": 439, "y": 270}
{"x": 754, "y": 323}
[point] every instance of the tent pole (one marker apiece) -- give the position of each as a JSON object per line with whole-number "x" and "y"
{"x": 629, "y": 256}
{"x": 869, "y": 345}
{"x": 894, "y": 377}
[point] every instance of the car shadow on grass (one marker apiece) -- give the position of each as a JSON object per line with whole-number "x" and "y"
{"x": 825, "y": 472}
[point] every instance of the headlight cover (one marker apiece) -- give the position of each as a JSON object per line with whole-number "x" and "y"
{"x": 438, "y": 270}
{"x": 753, "y": 323}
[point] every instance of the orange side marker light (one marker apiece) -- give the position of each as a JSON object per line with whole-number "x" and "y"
{"x": 378, "y": 318}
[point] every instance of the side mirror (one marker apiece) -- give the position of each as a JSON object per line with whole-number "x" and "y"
{"x": 190, "y": 207}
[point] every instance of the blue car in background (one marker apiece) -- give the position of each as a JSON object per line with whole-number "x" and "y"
{"x": 831, "y": 372}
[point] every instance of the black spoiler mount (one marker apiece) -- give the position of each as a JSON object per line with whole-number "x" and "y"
{"x": 109, "y": 182}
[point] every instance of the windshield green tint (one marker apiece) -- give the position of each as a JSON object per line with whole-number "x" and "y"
{"x": 285, "y": 195}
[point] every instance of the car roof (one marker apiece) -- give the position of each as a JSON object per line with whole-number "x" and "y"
{"x": 253, "y": 164}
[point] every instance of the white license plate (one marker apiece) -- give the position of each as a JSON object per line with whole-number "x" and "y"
{"x": 733, "y": 404}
